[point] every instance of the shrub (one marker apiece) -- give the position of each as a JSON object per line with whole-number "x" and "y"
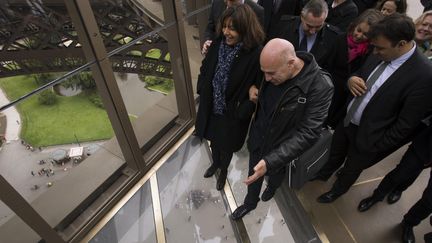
{"x": 43, "y": 78}
{"x": 96, "y": 100}
{"x": 47, "y": 97}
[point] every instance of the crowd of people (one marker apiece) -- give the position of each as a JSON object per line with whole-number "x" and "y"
{"x": 279, "y": 71}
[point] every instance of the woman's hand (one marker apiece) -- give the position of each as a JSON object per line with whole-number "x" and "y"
{"x": 357, "y": 86}
{"x": 205, "y": 47}
{"x": 253, "y": 94}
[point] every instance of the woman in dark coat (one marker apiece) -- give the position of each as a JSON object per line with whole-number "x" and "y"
{"x": 230, "y": 67}
{"x": 353, "y": 50}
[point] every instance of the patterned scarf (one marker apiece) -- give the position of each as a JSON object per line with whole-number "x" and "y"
{"x": 356, "y": 49}
{"x": 226, "y": 56}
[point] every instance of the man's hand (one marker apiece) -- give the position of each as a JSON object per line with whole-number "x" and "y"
{"x": 253, "y": 94}
{"x": 205, "y": 47}
{"x": 260, "y": 170}
{"x": 357, "y": 86}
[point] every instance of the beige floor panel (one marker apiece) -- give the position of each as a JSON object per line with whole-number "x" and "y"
{"x": 341, "y": 222}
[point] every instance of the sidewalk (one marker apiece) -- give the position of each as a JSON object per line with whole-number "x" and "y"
{"x": 13, "y": 120}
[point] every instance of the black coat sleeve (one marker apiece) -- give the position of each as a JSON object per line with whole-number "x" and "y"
{"x": 306, "y": 133}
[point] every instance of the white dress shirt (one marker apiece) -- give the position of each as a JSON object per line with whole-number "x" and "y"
{"x": 388, "y": 71}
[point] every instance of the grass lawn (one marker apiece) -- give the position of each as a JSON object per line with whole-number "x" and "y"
{"x": 57, "y": 124}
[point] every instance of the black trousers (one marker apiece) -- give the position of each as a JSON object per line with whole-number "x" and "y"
{"x": 422, "y": 209}
{"x": 254, "y": 189}
{"x": 401, "y": 177}
{"x": 343, "y": 151}
{"x": 221, "y": 159}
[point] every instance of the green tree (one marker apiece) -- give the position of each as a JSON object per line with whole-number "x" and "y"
{"x": 43, "y": 78}
{"x": 47, "y": 97}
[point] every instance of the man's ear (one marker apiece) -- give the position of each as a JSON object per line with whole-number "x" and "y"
{"x": 402, "y": 43}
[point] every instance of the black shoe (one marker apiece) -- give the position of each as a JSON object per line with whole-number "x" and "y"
{"x": 367, "y": 203}
{"x": 407, "y": 233}
{"x": 210, "y": 171}
{"x": 221, "y": 180}
{"x": 328, "y": 197}
{"x": 268, "y": 193}
{"x": 241, "y": 211}
{"x": 319, "y": 177}
{"x": 394, "y": 196}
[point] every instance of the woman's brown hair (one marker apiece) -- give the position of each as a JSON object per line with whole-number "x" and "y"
{"x": 370, "y": 16}
{"x": 245, "y": 23}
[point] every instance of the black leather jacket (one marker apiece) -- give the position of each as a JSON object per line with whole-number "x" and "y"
{"x": 292, "y": 128}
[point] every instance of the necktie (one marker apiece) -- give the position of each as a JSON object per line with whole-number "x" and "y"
{"x": 303, "y": 44}
{"x": 357, "y": 100}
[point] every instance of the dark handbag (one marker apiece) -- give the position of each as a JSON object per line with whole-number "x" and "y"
{"x": 302, "y": 169}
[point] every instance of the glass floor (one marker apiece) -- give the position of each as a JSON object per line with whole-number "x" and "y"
{"x": 176, "y": 204}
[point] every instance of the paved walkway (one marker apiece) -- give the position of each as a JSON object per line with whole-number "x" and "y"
{"x": 13, "y": 119}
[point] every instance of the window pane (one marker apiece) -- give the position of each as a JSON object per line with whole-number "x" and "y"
{"x": 142, "y": 64}
{"x": 59, "y": 144}
{"x": 16, "y": 231}
{"x": 37, "y": 37}
{"x": 134, "y": 222}
{"x": 121, "y": 22}
{"x": 189, "y": 201}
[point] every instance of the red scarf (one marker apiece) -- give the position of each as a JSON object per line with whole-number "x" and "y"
{"x": 356, "y": 49}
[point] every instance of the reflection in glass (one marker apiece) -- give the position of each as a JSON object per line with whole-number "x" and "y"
{"x": 122, "y": 21}
{"x": 134, "y": 222}
{"x": 21, "y": 232}
{"x": 56, "y": 140}
{"x": 193, "y": 210}
{"x": 37, "y": 37}
{"x": 147, "y": 87}
{"x": 193, "y": 37}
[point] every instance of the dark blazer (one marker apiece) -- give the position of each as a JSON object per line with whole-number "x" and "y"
{"x": 342, "y": 71}
{"x": 422, "y": 145}
{"x": 324, "y": 48}
{"x": 271, "y": 19}
{"x": 218, "y": 7}
{"x": 228, "y": 132}
{"x": 398, "y": 106}
{"x": 342, "y": 15}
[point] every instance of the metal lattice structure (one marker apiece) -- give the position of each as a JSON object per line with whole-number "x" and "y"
{"x": 38, "y": 37}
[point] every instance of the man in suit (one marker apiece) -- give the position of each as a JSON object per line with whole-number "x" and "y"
{"x": 417, "y": 157}
{"x": 217, "y": 8}
{"x": 274, "y": 9}
{"x": 291, "y": 108}
{"x": 388, "y": 103}
{"x": 309, "y": 32}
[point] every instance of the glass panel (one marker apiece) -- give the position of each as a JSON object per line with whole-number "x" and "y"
{"x": 134, "y": 222}
{"x": 121, "y": 22}
{"x": 193, "y": 210}
{"x": 265, "y": 224}
{"x": 194, "y": 40}
{"x": 59, "y": 144}
{"x": 15, "y": 231}
{"x": 145, "y": 78}
{"x": 37, "y": 37}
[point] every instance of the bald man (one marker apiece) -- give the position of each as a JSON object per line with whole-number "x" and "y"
{"x": 292, "y": 104}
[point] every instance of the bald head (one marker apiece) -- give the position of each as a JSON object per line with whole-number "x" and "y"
{"x": 277, "y": 59}
{"x": 277, "y": 50}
